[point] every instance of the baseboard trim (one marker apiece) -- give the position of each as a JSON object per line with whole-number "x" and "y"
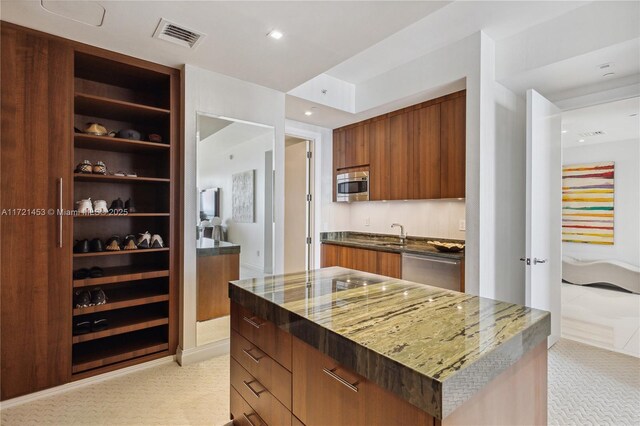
{"x": 85, "y": 382}
{"x": 203, "y": 353}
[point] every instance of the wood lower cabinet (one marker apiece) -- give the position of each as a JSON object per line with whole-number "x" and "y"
{"x": 313, "y": 390}
{"x": 35, "y": 296}
{"x": 214, "y": 274}
{"x": 373, "y": 261}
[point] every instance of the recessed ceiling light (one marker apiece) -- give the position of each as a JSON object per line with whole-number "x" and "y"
{"x": 580, "y": 140}
{"x": 564, "y": 131}
{"x": 633, "y": 115}
{"x": 275, "y": 34}
{"x": 608, "y": 74}
{"x": 308, "y": 113}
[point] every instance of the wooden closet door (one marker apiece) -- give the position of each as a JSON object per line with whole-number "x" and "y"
{"x": 36, "y": 152}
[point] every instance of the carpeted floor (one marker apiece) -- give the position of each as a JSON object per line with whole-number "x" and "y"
{"x": 587, "y": 386}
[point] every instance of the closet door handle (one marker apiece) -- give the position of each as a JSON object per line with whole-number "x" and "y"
{"x": 60, "y": 215}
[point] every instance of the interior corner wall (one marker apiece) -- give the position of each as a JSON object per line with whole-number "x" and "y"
{"x": 626, "y": 226}
{"x": 217, "y": 94}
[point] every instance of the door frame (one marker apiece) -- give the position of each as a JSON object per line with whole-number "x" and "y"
{"x": 315, "y": 139}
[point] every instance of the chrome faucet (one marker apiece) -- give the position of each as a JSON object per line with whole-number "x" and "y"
{"x": 403, "y": 236}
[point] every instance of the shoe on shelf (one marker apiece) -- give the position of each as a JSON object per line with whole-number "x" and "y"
{"x": 144, "y": 240}
{"x": 84, "y": 206}
{"x": 117, "y": 206}
{"x": 99, "y": 324}
{"x": 130, "y": 242}
{"x": 81, "y": 327}
{"x": 129, "y": 207}
{"x": 81, "y": 246}
{"x": 96, "y": 245}
{"x": 100, "y": 207}
{"x": 120, "y": 173}
{"x": 80, "y": 274}
{"x": 99, "y": 168}
{"x": 156, "y": 241}
{"x": 113, "y": 243}
{"x": 84, "y": 167}
{"x": 82, "y": 298}
{"x": 98, "y": 297}
{"x": 131, "y": 174}
{"x": 96, "y": 272}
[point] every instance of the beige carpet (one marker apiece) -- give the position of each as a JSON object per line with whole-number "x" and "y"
{"x": 587, "y": 386}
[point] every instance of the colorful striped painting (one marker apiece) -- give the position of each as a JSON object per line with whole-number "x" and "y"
{"x": 587, "y": 203}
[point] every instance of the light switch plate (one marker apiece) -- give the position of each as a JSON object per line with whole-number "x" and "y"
{"x": 367, "y": 221}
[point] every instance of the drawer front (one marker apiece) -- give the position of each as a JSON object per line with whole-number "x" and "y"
{"x": 242, "y": 413}
{"x": 257, "y": 396}
{"x": 272, "y": 375}
{"x": 264, "y": 334}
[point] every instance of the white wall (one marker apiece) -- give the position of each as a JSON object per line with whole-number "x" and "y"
{"x": 421, "y": 218}
{"x": 216, "y": 94}
{"x": 215, "y": 169}
{"x": 626, "y": 155}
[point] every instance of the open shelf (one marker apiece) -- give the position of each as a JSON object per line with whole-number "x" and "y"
{"x": 121, "y": 252}
{"x": 125, "y": 323}
{"x": 99, "y": 353}
{"x": 119, "y": 274}
{"x": 123, "y": 301}
{"x": 90, "y": 216}
{"x": 106, "y": 143}
{"x": 100, "y": 106}
{"x": 81, "y": 177}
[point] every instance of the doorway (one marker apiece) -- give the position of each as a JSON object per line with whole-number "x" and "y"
{"x": 298, "y": 197}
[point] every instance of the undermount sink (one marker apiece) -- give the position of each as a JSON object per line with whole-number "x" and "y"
{"x": 393, "y": 244}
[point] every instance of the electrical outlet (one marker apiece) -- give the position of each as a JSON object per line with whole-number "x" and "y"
{"x": 462, "y": 225}
{"x": 367, "y": 221}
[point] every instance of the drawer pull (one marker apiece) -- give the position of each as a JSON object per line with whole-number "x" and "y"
{"x": 345, "y": 382}
{"x": 252, "y": 322}
{"x": 253, "y": 358}
{"x": 253, "y": 391}
{"x": 246, "y": 417}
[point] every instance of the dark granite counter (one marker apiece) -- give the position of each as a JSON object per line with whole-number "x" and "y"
{"x": 432, "y": 347}
{"x": 209, "y": 247}
{"x": 389, "y": 243}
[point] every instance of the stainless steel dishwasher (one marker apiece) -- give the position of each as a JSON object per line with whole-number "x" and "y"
{"x": 431, "y": 270}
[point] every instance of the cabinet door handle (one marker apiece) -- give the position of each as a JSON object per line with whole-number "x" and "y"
{"x": 253, "y": 391}
{"x": 252, "y": 322}
{"x": 345, "y": 382}
{"x": 253, "y": 358}
{"x": 246, "y": 417}
{"x": 60, "y": 213}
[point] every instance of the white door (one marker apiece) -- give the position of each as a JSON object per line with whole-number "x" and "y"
{"x": 544, "y": 209}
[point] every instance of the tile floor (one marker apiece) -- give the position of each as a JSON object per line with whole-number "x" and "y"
{"x": 609, "y": 319}
{"x": 587, "y": 385}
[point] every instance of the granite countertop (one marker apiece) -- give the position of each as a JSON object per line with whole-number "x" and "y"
{"x": 210, "y": 247}
{"x": 389, "y": 243}
{"x": 432, "y": 347}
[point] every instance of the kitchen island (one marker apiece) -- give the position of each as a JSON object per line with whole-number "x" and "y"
{"x": 337, "y": 346}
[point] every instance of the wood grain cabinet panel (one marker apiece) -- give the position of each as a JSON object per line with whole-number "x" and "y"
{"x": 262, "y": 333}
{"x": 389, "y": 264}
{"x": 453, "y": 147}
{"x": 360, "y": 259}
{"x": 357, "y": 149}
{"x": 35, "y": 334}
{"x": 426, "y": 153}
{"x": 242, "y": 413}
{"x": 330, "y": 255}
{"x": 402, "y": 179}
{"x": 377, "y": 133}
{"x": 213, "y": 276}
{"x": 339, "y": 149}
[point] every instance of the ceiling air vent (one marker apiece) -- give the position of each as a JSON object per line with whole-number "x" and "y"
{"x": 590, "y": 134}
{"x": 177, "y": 34}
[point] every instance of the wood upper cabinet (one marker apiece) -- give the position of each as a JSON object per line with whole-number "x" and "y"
{"x": 36, "y": 155}
{"x": 453, "y": 147}
{"x": 426, "y": 153}
{"x": 401, "y": 155}
{"x": 414, "y": 153}
{"x": 377, "y": 133}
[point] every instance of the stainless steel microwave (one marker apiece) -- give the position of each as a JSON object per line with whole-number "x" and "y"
{"x": 352, "y": 186}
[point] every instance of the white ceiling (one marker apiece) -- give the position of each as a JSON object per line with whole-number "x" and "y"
{"x": 317, "y": 35}
{"x": 230, "y": 133}
{"x": 455, "y": 21}
{"x": 614, "y": 118}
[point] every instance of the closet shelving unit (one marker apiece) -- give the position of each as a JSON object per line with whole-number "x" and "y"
{"x": 140, "y": 285}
